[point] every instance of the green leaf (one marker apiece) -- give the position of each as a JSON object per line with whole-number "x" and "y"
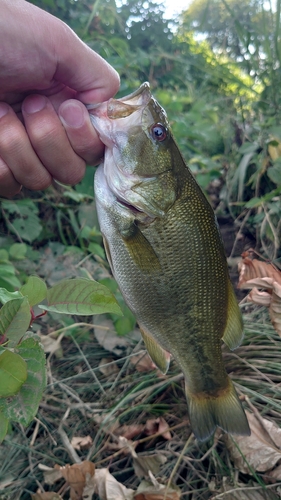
{"x": 13, "y": 373}
{"x": 18, "y": 251}
{"x": 274, "y": 173}
{"x": 8, "y": 277}
{"x": 96, "y": 249}
{"x": 24, "y": 405}
{"x": 124, "y": 325}
{"x": 4, "y": 423}
{"x": 4, "y": 256}
{"x": 254, "y": 202}
{"x": 35, "y": 290}
{"x": 23, "y": 219}
{"x": 15, "y": 319}
{"x": 5, "y": 295}
{"x": 248, "y": 147}
{"x": 81, "y": 296}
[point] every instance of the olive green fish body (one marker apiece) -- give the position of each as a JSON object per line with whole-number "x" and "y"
{"x": 166, "y": 254}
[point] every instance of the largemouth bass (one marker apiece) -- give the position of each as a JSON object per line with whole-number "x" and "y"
{"x": 164, "y": 248}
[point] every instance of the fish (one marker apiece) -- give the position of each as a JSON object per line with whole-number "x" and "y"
{"x": 166, "y": 253}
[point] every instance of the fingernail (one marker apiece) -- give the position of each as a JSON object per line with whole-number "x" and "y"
{"x": 72, "y": 115}
{"x": 4, "y": 109}
{"x": 34, "y": 103}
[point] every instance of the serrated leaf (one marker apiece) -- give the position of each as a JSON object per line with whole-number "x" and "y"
{"x": 35, "y": 290}
{"x": 15, "y": 319}
{"x": 81, "y": 296}
{"x": 5, "y": 296}
{"x": 4, "y": 423}
{"x": 13, "y": 373}
{"x": 24, "y": 405}
{"x": 18, "y": 251}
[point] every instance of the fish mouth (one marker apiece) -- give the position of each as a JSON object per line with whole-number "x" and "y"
{"x": 122, "y": 107}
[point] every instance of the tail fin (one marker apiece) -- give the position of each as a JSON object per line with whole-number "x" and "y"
{"x": 225, "y": 411}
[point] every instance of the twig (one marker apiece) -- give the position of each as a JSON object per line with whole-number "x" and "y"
{"x": 246, "y": 488}
{"x": 177, "y": 465}
{"x": 69, "y": 448}
{"x": 88, "y": 365}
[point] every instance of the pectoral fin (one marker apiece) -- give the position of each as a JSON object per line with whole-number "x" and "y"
{"x": 233, "y": 333}
{"x": 158, "y": 355}
{"x": 107, "y": 253}
{"x": 140, "y": 250}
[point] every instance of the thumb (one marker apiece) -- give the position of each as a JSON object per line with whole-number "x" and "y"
{"x": 82, "y": 69}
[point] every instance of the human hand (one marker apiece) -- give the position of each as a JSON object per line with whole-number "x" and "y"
{"x": 46, "y": 74}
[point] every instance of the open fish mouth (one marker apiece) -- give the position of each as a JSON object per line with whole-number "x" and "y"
{"x": 122, "y": 107}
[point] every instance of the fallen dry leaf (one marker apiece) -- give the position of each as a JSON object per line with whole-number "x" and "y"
{"x": 108, "y": 488}
{"x": 145, "y": 463}
{"x": 260, "y": 451}
{"x": 107, "y": 337}
{"x": 275, "y": 474}
{"x": 83, "y": 443}
{"x": 155, "y": 491}
{"x": 250, "y": 269}
{"x": 157, "y": 425}
{"x": 107, "y": 367}
{"x": 130, "y": 431}
{"x": 256, "y": 274}
{"x": 48, "y": 495}
{"x": 51, "y": 475}
{"x": 77, "y": 475}
{"x": 52, "y": 345}
{"x": 143, "y": 362}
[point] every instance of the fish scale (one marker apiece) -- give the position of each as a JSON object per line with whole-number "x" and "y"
{"x": 166, "y": 254}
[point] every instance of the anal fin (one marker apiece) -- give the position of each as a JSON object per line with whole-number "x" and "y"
{"x": 159, "y": 356}
{"x": 233, "y": 333}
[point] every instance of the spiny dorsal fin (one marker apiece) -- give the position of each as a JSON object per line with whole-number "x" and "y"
{"x": 233, "y": 333}
{"x": 158, "y": 355}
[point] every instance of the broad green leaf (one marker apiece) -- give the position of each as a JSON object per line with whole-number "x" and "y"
{"x": 5, "y": 296}
{"x": 13, "y": 373}
{"x": 15, "y": 319}
{"x": 274, "y": 173}
{"x": 18, "y": 251}
{"x": 81, "y": 296}
{"x": 254, "y": 202}
{"x": 96, "y": 249}
{"x": 23, "y": 219}
{"x": 8, "y": 277}
{"x": 35, "y": 290}
{"x": 124, "y": 325}
{"x": 4, "y": 256}
{"x": 248, "y": 147}
{"x": 4, "y": 423}
{"x": 24, "y": 405}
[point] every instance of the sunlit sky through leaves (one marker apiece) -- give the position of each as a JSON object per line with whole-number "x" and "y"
{"x": 172, "y": 7}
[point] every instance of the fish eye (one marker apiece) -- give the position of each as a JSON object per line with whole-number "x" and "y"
{"x": 158, "y": 132}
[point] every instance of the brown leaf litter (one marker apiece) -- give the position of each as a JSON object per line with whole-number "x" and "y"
{"x": 256, "y": 274}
